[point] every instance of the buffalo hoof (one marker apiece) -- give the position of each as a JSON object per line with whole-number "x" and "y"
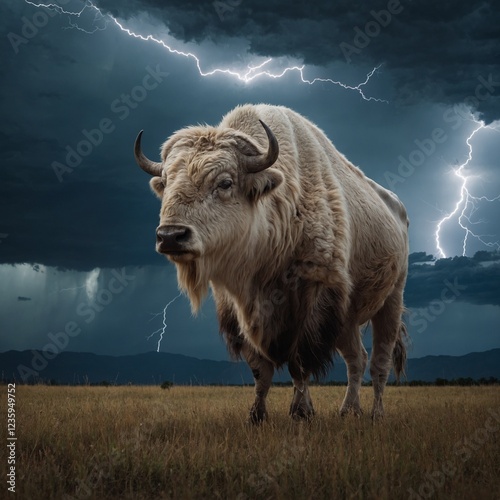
{"x": 258, "y": 414}
{"x": 377, "y": 411}
{"x": 356, "y": 411}
{"x": 301, "y": 412}
{"x": 377, "y": 415}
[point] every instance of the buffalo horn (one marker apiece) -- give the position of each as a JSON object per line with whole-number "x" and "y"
{"x": 150, "y": 167}
{"x": 254, "y": 164}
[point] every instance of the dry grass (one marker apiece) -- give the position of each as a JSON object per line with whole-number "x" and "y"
{"x": 194, "y": 442}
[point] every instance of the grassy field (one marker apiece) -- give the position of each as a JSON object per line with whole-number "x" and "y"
{"x": 194, "y": 442}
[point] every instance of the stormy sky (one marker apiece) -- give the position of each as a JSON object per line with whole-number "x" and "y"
{"x": 77, "y": 216}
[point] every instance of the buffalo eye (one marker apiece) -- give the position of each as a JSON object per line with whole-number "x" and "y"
{"x": 225, "y": 184}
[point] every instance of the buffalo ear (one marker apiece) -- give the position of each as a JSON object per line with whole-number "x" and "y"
{"x": 262, "y": 183}
{"x": 157, "y": 186}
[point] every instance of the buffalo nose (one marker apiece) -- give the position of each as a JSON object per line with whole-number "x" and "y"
{"x": 172, "y": 238}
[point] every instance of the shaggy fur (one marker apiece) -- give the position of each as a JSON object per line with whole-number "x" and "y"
{"x": 298, "y": 255}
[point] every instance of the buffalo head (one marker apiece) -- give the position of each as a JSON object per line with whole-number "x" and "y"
{"x": 210, "y": 181}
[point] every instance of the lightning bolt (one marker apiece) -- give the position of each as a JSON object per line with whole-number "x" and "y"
{"x": 164, "y": 326}
{"x": 467, "y": 204}
{"x": 87, "y": 6}
{"x": 251, "y": 73}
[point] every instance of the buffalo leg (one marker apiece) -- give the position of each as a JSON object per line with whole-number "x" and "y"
{"x": 352, "y": 350}
{"x": 263, "y": 371}
{"x": 301, "y": 407}
{"x": 387, "y": 328}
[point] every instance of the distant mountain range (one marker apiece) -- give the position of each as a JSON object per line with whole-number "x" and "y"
{"x": 155, "y": 368}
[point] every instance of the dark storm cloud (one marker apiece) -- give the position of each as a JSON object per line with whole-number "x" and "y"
{"x": 88, "y": 216}
{"x": 58, "y": 87}
{"x": 23, "y": 299}
{"x": 464, "y": 279}
{"x": 62, "y": 82}
{"x": 63, "y": 215}
{"x": 445, "y": 52}
{"x": 419, "y": 257}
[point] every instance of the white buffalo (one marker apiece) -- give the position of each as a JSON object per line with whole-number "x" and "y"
{"x": 299, "y": 247}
